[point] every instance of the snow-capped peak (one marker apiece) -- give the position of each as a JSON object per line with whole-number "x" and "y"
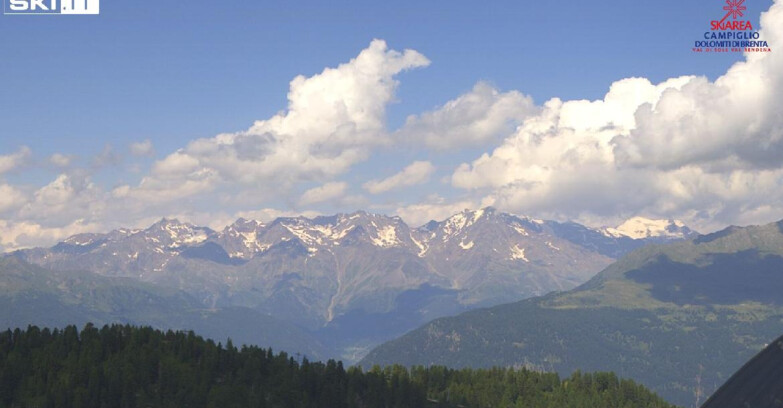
{"x": 640, "y": 227}
{"x": 458, "y": 222}
{"x": 178, "y": 233}
{"x": 322, "y": 232}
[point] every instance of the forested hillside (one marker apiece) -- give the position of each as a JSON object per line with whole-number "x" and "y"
{"x": 123, "y": 366}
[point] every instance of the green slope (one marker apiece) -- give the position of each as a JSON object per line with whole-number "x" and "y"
{"x": 680, "y": 318}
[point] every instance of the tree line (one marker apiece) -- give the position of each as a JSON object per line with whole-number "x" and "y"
{"x": 122, "y": 366}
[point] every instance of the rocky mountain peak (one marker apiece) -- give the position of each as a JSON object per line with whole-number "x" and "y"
{"x": 245, "y": 224}
{"x": 175, "y": 233}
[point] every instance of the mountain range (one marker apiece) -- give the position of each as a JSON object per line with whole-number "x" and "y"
{"x": 350, "y": 281}
{"x": 678, "y": 317}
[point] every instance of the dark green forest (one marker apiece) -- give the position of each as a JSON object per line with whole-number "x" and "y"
{"x": 125, "y": 366}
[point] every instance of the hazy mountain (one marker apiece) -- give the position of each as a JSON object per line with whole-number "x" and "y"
{"x": 354, "y": 279}
{"x": 680, "y": 318}
{"x": 30, "y": 295}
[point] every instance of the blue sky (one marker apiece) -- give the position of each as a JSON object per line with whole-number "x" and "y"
{"x": 87, "y": 88}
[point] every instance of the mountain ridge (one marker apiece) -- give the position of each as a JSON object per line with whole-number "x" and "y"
{"x": 315, "y": 271}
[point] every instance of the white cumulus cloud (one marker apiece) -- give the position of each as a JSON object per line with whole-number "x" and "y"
{"x": 67, "y": 198}
{"x": 326, "y": 192}
{"x": 418, "y": 172}
{"x": 60, "y": 160}
{"x": 477, "y": 117}
{"x": 142, "y": 149}
{"x": 10, "y": 198}
{"x": 332, "y": 122}
{"x": 14, "y": 160}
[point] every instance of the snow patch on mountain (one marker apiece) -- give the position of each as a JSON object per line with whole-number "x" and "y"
{"x": 463, "y": 245}
{"x": 305, "y": 234}
{"x": 250, "y": 239}
{"x": 454, "y": 225}
{"x": 518, "y": 228}
{"x": 386, "y": 237}
{"x": 329, "y": 231}
{"x": 423, "y": 247}
{"x": 640, "y": 228}
{"x": 184, "y": 233}
{"x": 457, "y": 223}
{"x": 518, "y": 253}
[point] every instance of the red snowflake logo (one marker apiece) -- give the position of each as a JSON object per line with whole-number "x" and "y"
{"x": 734, "y": 8}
